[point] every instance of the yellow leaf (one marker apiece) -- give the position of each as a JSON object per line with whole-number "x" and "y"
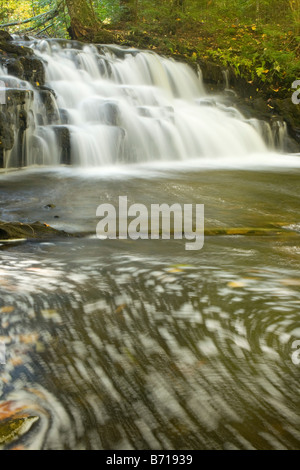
{"x": 29, "y": 338}
{"x": 235, "y": 284}
{"x": 290, "y": 282}
{"x": 120, "y": 308}
{"x": 16, "y": 361}
{"x": 7, "y": 309}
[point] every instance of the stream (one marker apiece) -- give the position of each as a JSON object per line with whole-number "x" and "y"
{"x": 142, "y": 344}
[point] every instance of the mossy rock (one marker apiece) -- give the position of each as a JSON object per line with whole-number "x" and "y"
{"x": 104, "y": 37}
{"x": 34, "y": 71}
{"x": 37, "y": 230}
{"x": 290, "y": 113}
{"x": 5, "y": 36}
{"x": 12, "y": 49}
{"x": 11, "y": 429}
{"x": 15, "y": 68}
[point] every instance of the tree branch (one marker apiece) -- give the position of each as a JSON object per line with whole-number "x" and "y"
{"x": 15, "y": 23}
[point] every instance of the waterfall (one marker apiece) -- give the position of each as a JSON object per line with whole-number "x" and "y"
{"x": 105, "y": 104}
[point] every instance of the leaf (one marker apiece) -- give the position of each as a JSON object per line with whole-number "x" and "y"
{"x": 7, "y": 309}
{"x": 16, "y": 361}
{"x": 29, "y": 338}
{"x": 235, "y": 284}
{"x": 174, "y": 270}
{"x": 290, "y": 282}
{"x": 120, "y": 308}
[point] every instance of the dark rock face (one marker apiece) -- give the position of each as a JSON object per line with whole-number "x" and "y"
{"x": 64, "y": 141}
{"x": 14, "y": 122}
{"x": 6, "y": 135}
{"x": 22, "y": 64}
{"x": 254, "y": 104}
{"x": 5, "y": 36}
{"x": 14, "y": 50}
{"x": 48, "y": 99}
{"x": 34, "y": 72}
{"x": 291, "y": 113}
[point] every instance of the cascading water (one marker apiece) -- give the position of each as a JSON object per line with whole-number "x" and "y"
{"x": 107, "y": 104}
{"x": 141, "y": 344}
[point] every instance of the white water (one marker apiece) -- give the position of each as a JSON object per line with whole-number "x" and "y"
{"x": 130, "y": 106}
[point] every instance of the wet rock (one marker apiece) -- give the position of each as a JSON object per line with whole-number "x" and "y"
{"x": 34, "y": 71}
{"x": 6, "y": 132}
{"x": 213, "y": 74}
{"x": 291, "y": 115}
{"x": 48, "y": 99}
{"x": 109, "y": 113}
{"x": 17, "y": 96}
{"x": 35, "y": 230}
{"x": 15, "y": 67}
{"x": 11, "y": 429}
{"x": 64, "y": 116}
{"x": 23, "y": 120}
{"x": 64, "y": 142}
{"x": 14, "y": 50}
{"x": 5, "y": 36}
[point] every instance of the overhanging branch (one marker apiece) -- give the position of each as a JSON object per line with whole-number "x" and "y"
{"x": 15, "y": 23}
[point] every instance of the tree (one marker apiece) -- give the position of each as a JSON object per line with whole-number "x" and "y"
{"x": 129, "y": 8}
{"x": 84, "y": 24}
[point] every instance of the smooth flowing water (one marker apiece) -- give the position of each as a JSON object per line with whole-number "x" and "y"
{"x": 141, "y": 344}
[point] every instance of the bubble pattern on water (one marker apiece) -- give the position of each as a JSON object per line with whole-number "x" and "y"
{"x": 140, "y": 354}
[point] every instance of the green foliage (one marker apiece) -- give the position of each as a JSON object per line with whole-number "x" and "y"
{"x": 259, "y": 39}
{"x": 109, "y": 11}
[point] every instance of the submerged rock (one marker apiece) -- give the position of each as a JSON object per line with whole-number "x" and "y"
{"x": 11, "y": 429}
{"x": 37, "y": 230}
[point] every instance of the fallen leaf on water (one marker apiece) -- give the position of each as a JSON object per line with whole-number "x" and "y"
{"x": 290, "y": 282}
{"x": 39, "y": 347}
{"x": 16, "y": 361}
{"x": 29, "y": 338}
{"x": 120, "y": 308}
{"x": 235, "y": 284}
{"x": 50, "y": 314}
{"x": 7, "y": 309}
{"x": 5, "y": 339}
